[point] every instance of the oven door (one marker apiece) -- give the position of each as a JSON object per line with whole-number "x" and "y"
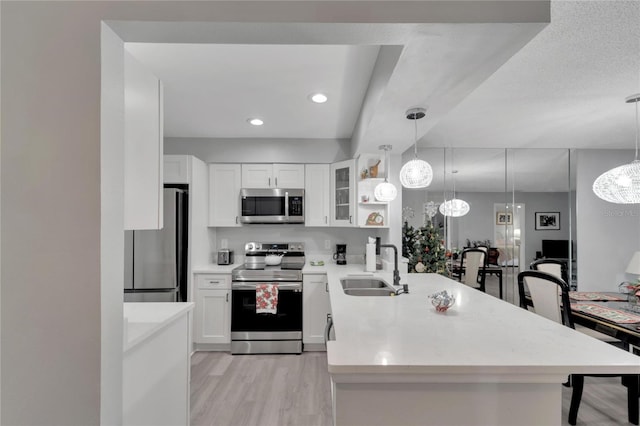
{"x": 286, "y": 323}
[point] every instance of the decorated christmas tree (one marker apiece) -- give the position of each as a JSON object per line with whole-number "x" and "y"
{"x": 424, "y": 248}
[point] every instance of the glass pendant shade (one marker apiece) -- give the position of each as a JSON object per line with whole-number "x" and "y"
{"x": 416, "y": 173}
{"x": 385, "y": 191}
{"x": 454, "y": 207}
{"x": 620, "y": 185}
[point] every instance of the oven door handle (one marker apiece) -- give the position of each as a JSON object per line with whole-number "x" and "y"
{"x": 295, "y": 287}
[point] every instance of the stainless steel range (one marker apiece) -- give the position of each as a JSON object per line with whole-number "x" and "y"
{"x": 279, "y": 332}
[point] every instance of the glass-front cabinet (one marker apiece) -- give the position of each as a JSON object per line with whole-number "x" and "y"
{"x": 343, "y": 193}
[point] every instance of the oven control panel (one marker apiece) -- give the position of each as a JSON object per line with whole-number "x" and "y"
{"x": 253, "y": 247}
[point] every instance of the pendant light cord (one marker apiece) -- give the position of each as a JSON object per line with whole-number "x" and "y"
{"x": 453, "y": 174}
{"x": 415, "y": 136}
{"x": 386, "y": 159}
{"x": 637, "y": 126}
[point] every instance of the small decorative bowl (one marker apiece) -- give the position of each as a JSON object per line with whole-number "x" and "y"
{"x": 442, "y": 300}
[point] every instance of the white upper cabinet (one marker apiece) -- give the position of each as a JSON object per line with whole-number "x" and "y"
{"x": 273, "y": 176}
{"x": 317, "y": 195}
{"x": 288, "y": 176}
{"x": 177, "y": 169}
{"x": 343, "y": 196}
{"x": 224, "y": 194}
{"x": 143, "y": 162}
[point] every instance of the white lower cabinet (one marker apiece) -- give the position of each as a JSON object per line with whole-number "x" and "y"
{"x": 316, "y": 309}
{"x": 213, "y": 309}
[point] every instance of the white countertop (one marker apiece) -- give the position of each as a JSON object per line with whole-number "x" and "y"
{"x": 215, "y": 269}
{"x": 142, "y": 320}
{"x": 479, "y": 335}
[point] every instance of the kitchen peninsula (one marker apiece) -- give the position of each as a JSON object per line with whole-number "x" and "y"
{"x": 156, "y": 363}
{"x": 395, "y": 360}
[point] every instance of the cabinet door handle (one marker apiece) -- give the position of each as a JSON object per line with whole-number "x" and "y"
{"x": 276, "y": 182}
{"x": 214, "y": 282}
{"x": 326, "y": 286}
{"x": 269, "y": 184}
{"x": 350, "y": 219}
{"x": 236, "y": 220}
{"x": 227, "y": 297}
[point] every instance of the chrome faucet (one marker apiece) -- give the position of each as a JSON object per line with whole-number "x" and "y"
{"x": 396, "y": 272}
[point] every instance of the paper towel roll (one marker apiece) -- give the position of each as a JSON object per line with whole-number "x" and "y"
{"x": 371, "y": 258}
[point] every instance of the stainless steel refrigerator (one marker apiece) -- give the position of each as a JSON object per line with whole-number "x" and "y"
{"x": 156, "y": 260}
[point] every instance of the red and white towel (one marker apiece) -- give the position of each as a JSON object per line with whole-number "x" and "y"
{"x": 266, "y": 299}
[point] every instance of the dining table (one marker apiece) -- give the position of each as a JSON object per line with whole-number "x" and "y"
{"x": 609, "y": 313}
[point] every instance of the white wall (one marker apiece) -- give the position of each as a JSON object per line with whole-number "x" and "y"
{"x": 260, "y": 150}
{"x": 608, "y": 234}
{"x": 314, "y": 238}
{"x": 51, "y": 215}
{"x": 111, "y": 234}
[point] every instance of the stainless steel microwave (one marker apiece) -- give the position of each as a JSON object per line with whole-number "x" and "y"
{"x": 276, "y": 205}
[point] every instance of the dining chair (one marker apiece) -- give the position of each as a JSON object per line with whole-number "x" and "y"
{"x": 552, "y": 266}
{"x": 559, "y": 269}
{"x": 473, "y": 263}
{"x": 555, "y": 305}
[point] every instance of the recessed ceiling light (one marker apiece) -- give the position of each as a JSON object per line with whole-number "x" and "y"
{"x": 319, "y": 98}
{"x": 255, "y": 121}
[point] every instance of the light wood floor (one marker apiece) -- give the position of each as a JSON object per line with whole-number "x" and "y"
{"x": 274, "y": 390}
{"x": 234, "y": 390}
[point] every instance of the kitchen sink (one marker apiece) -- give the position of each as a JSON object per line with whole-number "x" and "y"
{"x": 369, "y": 291}
{"x": 366, "y": 287}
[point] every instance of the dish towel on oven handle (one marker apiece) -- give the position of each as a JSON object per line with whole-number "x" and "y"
{"x": 266, "y": 299}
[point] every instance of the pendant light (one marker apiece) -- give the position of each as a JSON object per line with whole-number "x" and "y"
{"x": 454, "y": 207}
{"x": 385, "y": 191}
{"x": 621, "y": 185}
{"x": 416, "y": 173}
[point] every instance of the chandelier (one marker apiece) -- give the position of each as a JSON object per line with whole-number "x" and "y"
{"x": 385, "y": 191}
{"x": 621, "y": 185}
{"x": 416, "y": 173}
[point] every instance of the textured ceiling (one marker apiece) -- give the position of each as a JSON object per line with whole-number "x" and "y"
{"x": 565, "y": 88}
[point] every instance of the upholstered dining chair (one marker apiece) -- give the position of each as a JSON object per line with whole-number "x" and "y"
{"x": 552, "y": 266}
{"x": 555, "y": 305}
{"x": 559, "y": 269}
{"x": 473, "y": 263}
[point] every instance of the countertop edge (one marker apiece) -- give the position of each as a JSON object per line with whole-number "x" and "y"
{"x": 155, "y": 325}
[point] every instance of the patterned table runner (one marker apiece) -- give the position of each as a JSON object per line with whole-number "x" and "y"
{"x": 613, "y": 315}
{"x": 594, "y": 296}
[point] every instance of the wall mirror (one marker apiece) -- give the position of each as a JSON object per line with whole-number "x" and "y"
{"x": 540, "y": 200}
{"x": 520, "y": 205}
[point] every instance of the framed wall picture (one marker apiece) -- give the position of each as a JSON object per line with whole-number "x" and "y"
{"x": 504, "y": 218}
{"x": 547, "y": 221}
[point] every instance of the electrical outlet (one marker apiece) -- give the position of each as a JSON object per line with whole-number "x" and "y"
{"x": 327, "y": 244}
{"x": 224, "y": 243}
